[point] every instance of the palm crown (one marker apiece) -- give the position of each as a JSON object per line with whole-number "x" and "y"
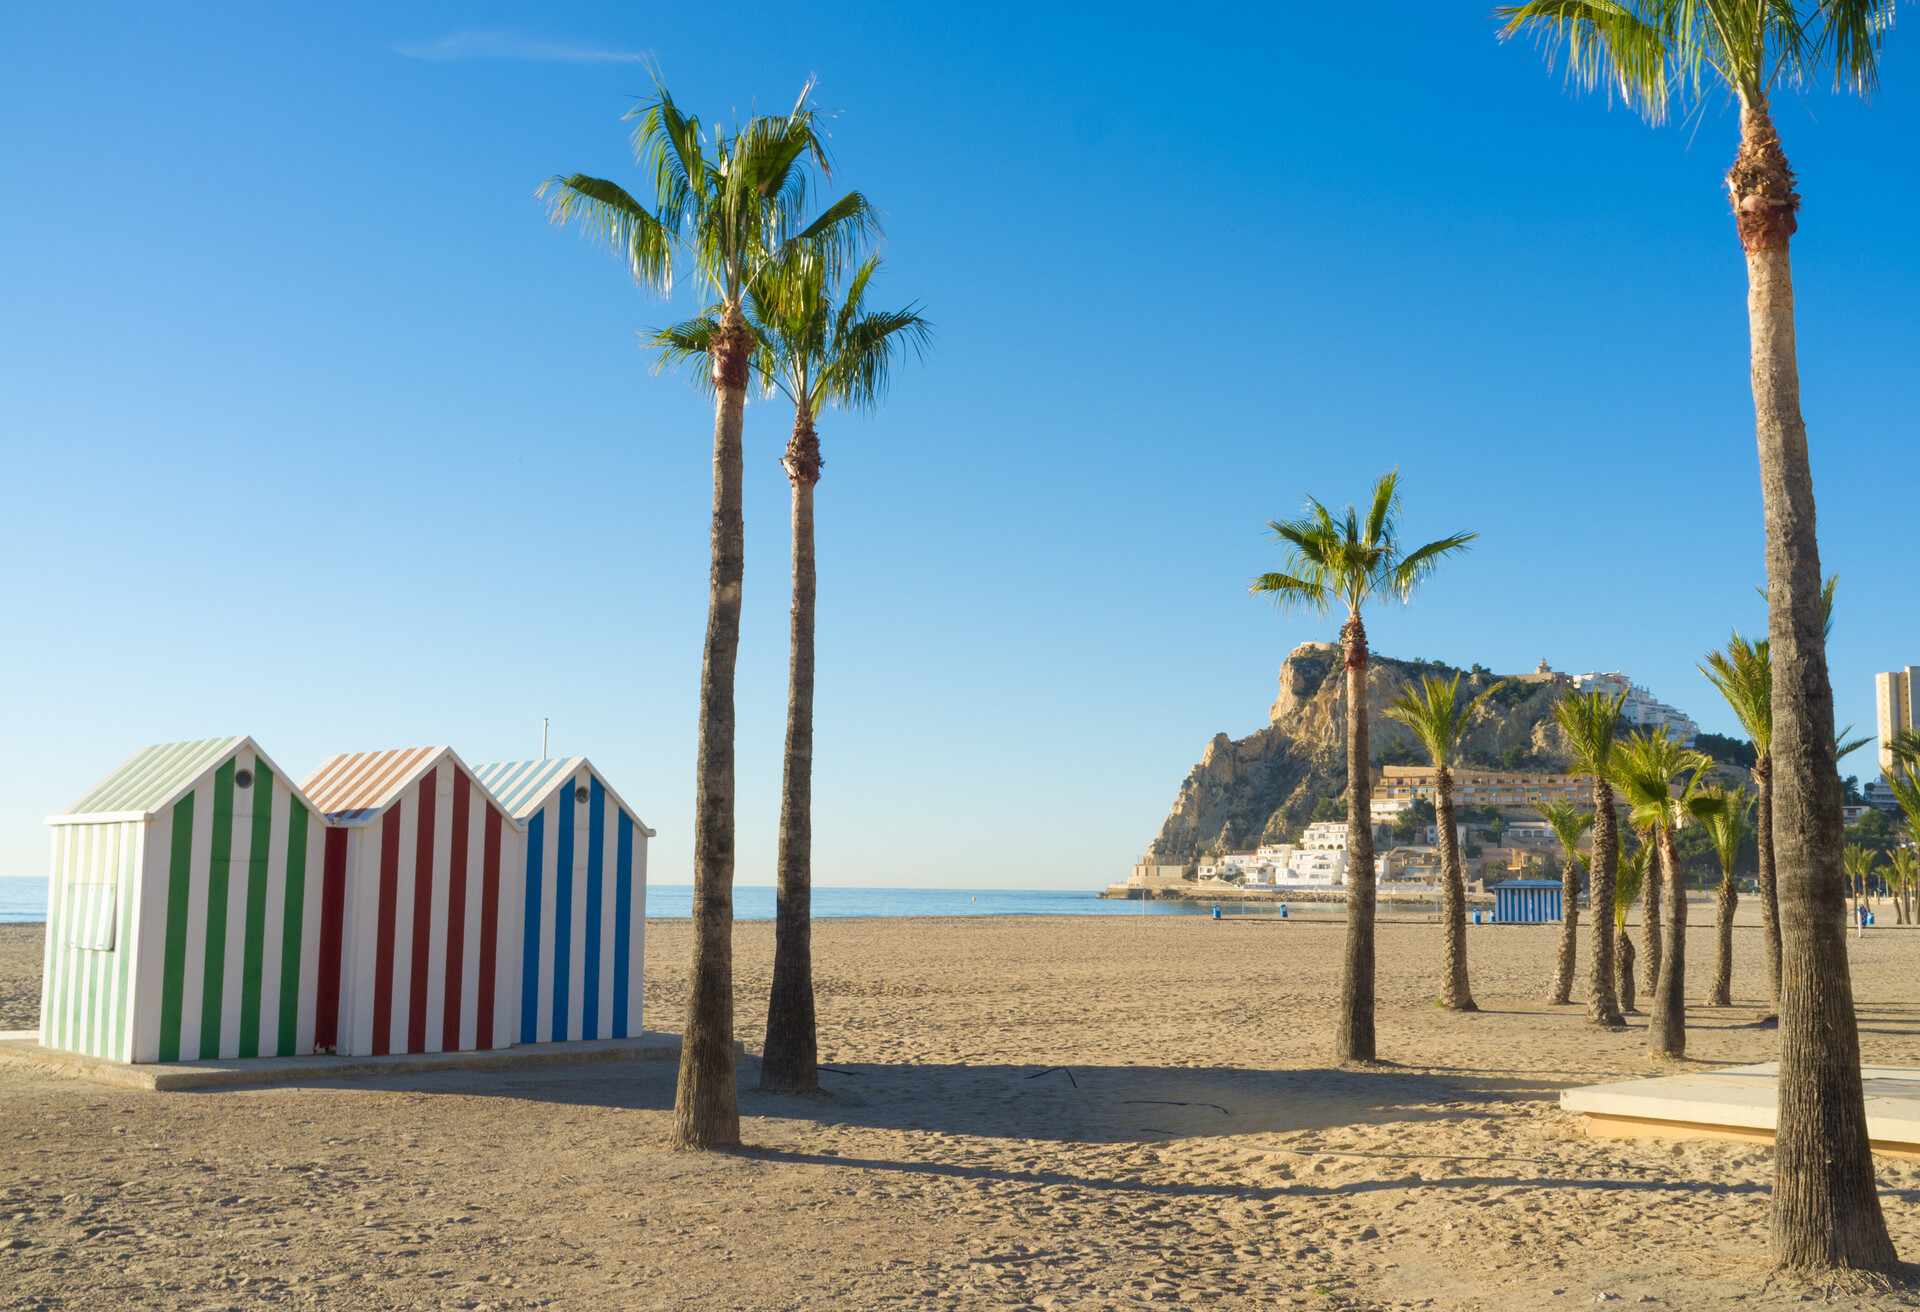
{"x": 1591, "y": 721}
{"x": 1631, "y": 879}
{"x": 1568, "y": 822}
{"x": 1724, "y": 816}
{"x": 1645, "y": 767}
{"x": 732, "y": 201}
{"x": 1654, "y": 52}
{"x": 1352, "y": 558}
{"x": 1432, "y": 708}
{"x": 1743, "y": 674}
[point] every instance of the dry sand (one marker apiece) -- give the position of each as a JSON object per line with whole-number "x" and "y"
{"x": 1194, "y": 1149}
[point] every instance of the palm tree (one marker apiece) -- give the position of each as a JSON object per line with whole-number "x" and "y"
{"x": 1903, "y": 872}
{"x": 1590, "y": 721}
{"x": 1725, "y": 823}
{"x": 1743, "y": 674}
{"x": 1569, "y": 824}
{"x": 1433, "y": 710}
{"x": 1633, "y": 873}
{"x": 731, "y": 204}
{"x": 1825, "y": 1211}
{"x": 815, "y": 354}
{"x": 1859, "y": 863}
{"x": 1645, "y": 770}
{"x": 1350, "y": 561}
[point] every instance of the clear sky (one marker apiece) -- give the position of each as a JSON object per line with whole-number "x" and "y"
{"x": 315, "y": 429}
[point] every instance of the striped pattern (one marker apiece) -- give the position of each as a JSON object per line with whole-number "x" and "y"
{"x": 191, "y": 934}
{"x": 433, "y": 924}
{"x": 154, "y": 776}
{"x": 584, "y": 908}
{"x": 86, "y": 997}
{"x": 354, "y": 787}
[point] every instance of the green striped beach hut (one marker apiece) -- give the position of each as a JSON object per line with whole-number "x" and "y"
{"x": 184, "y": 917}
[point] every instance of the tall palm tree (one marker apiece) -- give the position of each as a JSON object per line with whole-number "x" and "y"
{"x": 1433, "y": 709}
{"x": 1626, "y": 888}
{"x": 1351, "y": 560}
{"x": 1569, "y": 824}
{"x": 1859, "y": 863}
{"x": 1725, "y": 823}
{"x": 1591, "y": 722}
{"x": 1903, "y": 872}
{"x": 1743, "y": 674}
{"x": 1645, "y": 769}
{"x": 731, "y": 205}
{"x": 814, "y": 353}
{"x": 1826, "y": 1213}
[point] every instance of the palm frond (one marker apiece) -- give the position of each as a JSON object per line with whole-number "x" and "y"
{"x": 1290, "y": 591}
{"x": 1414, "y": 568}
{"x": 609, "y": 214}
{"x": 1743, "y": 675}
{"x": 686, "y": 347}
{"x": 1603, "y": 43}
{"x": 1591, "y": 722}
{"x": 1568, "y": 822}
{"x": 1844, "y": 747}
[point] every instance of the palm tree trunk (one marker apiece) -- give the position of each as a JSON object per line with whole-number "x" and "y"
{"x": 1769, "y": 887}
{"x": 1623, "y": 948}
{"x": 1650, "y": 911}
{"x": 1354, "y": 1040}
{"x": 1603, "y": 1006}
{"x": 1667, "y": 1027}
{"x": 1456, "y": 994}
{"x": 706, "y": 1113}
{"x": 1826, "y": 1211}
{"x": 1569, "y": 932}
{"x": 1722, "y": 995}
{"x": 790, "y": 1060}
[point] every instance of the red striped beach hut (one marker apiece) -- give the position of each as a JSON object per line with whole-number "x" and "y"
{"x": 184, "y": 917}
{"x": 431, "y": 928}
{"x": 584, "y": 899}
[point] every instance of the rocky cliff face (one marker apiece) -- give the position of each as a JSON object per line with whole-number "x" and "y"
{"x": 1263, "y": 787}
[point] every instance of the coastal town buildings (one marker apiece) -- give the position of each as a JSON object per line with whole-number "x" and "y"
{"x": 1893, "y": 698}
{"x": 1495, "y": 788}
{"x": 1325, "y": 836}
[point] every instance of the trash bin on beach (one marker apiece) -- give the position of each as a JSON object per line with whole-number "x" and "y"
{"x": 1283, "y": 911}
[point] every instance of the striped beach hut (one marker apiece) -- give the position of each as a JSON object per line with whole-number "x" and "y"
{"x": 185, "y": 910}
{"x": 584, "y": 899}
{"x": 432, "y": 866}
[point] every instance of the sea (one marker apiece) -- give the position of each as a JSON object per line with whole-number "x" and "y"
{"x": 24, "y": 898}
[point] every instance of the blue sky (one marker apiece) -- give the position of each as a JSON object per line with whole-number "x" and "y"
{"x": 317, "y": 431}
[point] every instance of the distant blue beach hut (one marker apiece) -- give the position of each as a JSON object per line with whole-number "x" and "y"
{"x": 585, "y": 918}
{"x": 1526, "y": 902}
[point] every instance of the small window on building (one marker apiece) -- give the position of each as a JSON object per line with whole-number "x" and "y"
{"x": 580, "y": 793}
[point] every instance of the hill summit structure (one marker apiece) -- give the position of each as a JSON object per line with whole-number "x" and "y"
{"x": 202, "y": 906}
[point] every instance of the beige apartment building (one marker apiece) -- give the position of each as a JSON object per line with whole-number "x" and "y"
{"x": 1893, "y": 697}
{"x": 1484, "y": 787}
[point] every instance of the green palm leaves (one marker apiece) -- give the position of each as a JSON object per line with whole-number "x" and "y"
{"x": 730, "y": 202}
{"x": 1725, "y": 817}
{"x": 1743, "y": 675}
{"x": 1630, "y": 881}
{"x": 1569, "y": 824}
{"x": 1433, "y": 709}
{"x": 1645, "y": 767}
{"x": 1591, "y": 721}
{"x": 1859, "y": 863}
{"x": 1653, "y": 52}
{"x": 1352, "y": 558}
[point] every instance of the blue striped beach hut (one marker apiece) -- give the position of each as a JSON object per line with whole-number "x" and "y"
{"x": 185, "y": 910}
{"x": 1526, "y": 902}
{"x": 585, "y": 917}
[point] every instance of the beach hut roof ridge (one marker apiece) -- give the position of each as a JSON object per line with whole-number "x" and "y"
{"x": 157, "y": 776}
{"x": 352, "y": 788}
{"x": 523, "y": 787}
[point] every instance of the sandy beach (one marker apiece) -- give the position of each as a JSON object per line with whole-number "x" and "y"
{"x": 1056, "y": 1113}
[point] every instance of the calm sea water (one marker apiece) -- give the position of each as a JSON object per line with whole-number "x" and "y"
{"x": 25, "y": 899}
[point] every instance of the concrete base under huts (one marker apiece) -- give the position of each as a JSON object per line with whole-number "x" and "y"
{"x": 1739, "y": 1103}
{"x": 23, "y": 1046}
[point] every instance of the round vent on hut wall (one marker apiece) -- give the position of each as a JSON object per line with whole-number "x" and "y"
{"x": 243, "y": 778}
{"x": 580, "y": 793}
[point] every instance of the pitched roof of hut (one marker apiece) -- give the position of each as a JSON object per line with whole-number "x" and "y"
{"x": 156, "y": 777}
{"x": 524, "y": 786}
{"x": 354, "y": 787}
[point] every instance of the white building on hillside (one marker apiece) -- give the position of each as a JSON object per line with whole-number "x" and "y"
{"x": 1325, "y": 836}
{"x": 1641, "y": 709}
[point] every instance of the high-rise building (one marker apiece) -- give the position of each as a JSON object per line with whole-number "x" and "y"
{"x": 1893, "y": 697}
